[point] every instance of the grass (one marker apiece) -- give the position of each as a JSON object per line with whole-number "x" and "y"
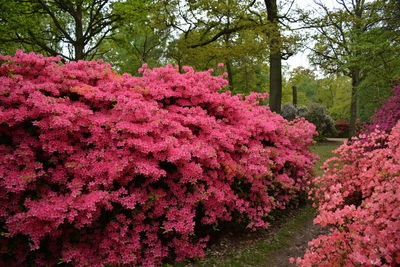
{"x": 259, "y": 252}
{"x": 324, "y": 151}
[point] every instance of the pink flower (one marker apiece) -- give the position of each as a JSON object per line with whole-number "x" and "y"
{"x": 103, "y": 169}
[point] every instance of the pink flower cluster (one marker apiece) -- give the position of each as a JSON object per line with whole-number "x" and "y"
{"x": 105, "y": 169}
{"x": 358, "y": 200}
{"x": 387, "y": 116}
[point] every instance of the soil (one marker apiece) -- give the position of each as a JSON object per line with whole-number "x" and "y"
{"x": 308, "y": 232}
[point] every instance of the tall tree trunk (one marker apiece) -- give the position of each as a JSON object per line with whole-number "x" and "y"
{"x": 79, "y": 44}
{"x": 180, "y": 67}
{"x": 355, "y": 82}
{"x": 275, "y": 64}
{"x": 228, "y": 61}
{"x": 230, "y": 74}
{"x": 294, "y": 88}
{"x": 355, "y": 72}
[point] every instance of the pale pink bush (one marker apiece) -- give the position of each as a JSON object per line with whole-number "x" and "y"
{"x": 99, "y": 168}
{"x": 359, "y": 200}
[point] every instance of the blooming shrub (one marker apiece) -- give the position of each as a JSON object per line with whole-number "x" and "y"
{"x": 388, "y": 115}
{"x": 360, "y": 203}
{"x": 105, "y": 169}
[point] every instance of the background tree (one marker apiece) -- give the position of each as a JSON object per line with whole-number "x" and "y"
{"x": 72, "y": 29}
{"x": 239, "y": 33}
{"x": 275, "y": 57}
{"x": 342, "y": 46}
{"x": 332, "y": 92}
{"x": 138, "y": 37}
{"x": 306, "y": 83}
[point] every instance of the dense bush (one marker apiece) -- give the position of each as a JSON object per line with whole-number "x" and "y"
{"x": 98, "y": 168}
{"x": 358, "y": 199}
{"x": 387, "y": 116}
{"x": 315, "y": 114}
{"x": 289, "y": 111}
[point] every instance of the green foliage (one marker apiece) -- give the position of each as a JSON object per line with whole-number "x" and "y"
{"x": 359, "y": 40}
{"x": 332, "y": 92}
{"x": 19, "y": 21}
{"x": 306, "y": 83}
{"x": 71, "y": 29}
{"x": 236, "y": 33}
{"x": 381, "y": 62}
{"x": 139, "y": 37}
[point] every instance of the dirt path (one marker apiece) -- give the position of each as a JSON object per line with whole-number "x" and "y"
{"x": 301, "y": 237}
{"x": 341, "y": 140}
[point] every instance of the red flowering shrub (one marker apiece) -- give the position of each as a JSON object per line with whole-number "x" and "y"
{"x": 360, "y": 203}
{"x": 389, "y": 114}
{"x": 98, "y": 168}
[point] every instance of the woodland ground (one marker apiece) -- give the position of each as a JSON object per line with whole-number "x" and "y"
{"x": 287, "y": 237}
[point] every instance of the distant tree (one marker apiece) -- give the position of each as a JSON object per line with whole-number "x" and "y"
{"x": 137, "y": 38}
{"x": 306, "y": 83}
{"x": 334, "y": 93}
{"x": 71, "y": 29}
{"x": 340, "y": 45}
{"x": 240, "y": 34}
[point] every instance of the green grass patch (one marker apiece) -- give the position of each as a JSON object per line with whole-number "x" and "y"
{"x": 324, "y": 151}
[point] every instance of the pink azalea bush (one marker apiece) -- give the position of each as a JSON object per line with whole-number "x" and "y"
{"x": 358, "y": 199}
{"x": 387, "y": 116}
{"x": 105, "y": 169}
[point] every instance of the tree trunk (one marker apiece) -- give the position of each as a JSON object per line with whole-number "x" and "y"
{"x": 230, "y": 74}
{"x": 275, "y": 64}
{"x": 355, "y": 82}
{"x": 294, "y": 88}
{"x": 79, "y": 45}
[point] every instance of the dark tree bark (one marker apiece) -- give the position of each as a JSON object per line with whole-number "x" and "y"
{"x": 355, "y": 82}
{"x": 355, "y": 72}
{"x": 275, "y": 58}
{"x": 294, "y": 88}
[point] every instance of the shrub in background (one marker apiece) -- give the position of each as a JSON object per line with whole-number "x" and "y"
{"x": 315, "y": 114}
{"x": 360, "y": 203}
{"x": 105, "y": 169}
{"x": 389, "y": 114}
{"x": 323, "y": 122}
{"x": 289, "y": 111}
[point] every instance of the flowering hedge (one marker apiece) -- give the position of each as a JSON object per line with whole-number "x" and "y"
{"x": 359, "y": 201}
{"x": 99, "y": 168}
